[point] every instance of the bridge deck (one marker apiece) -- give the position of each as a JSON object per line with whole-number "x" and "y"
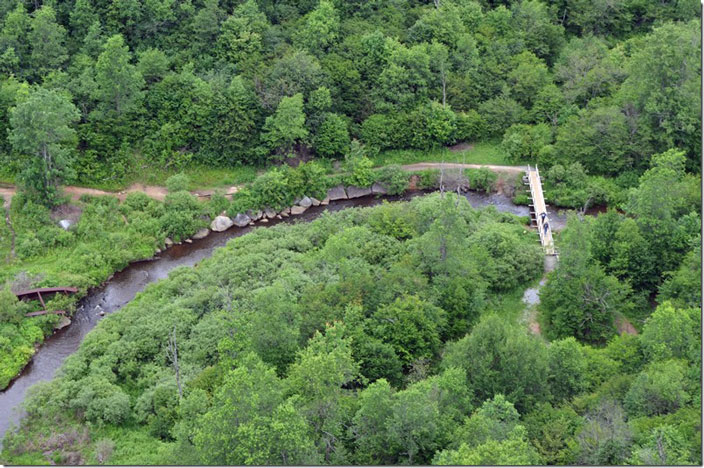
{"x": 38, "y": 292}
{"x": 29, "y": 292}
{"x": 536, "y": 192}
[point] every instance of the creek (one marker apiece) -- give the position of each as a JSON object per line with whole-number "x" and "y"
{"x": 122, "y": 287}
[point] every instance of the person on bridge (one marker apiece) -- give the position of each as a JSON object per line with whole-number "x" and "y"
{"x": 542, "y": 216}
{"x": 545, "y": 228}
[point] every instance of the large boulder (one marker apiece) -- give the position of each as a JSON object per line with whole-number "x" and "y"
{"x": 221, "y": 223}
{"x": 201, "y": 234}
{"x": 337, "y": 193}
{"x": 296, "y": 209}
{"x": 325, "y": 201}
{"x": 269, "y": 213}
{"x": 356, "y": 192}
{"x": 315, "y": 201}
{"x": 305, "y": 202}
{"x": 168, "y": 242}
{"x": 285, "y": 212}
{"x": 379, "y": 189}
{"x": 242, "y": 220}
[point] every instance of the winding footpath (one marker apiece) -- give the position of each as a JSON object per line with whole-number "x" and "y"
{"x": 158, "y": 192}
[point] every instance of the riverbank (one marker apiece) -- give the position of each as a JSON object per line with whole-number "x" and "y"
{"x": 124, "y": 285}
{"x": 56, "y": 268}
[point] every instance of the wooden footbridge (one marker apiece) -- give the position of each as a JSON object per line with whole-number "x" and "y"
{"x": 538, "y": 212}
{"x": 29, "y": 293}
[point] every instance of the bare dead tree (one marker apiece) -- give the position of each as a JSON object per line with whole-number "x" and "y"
{"x": 172, "y": 354}
{"x": 442, "y": 176}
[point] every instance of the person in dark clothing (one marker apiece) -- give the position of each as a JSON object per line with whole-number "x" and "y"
{"x": 545, "y": 228}
{"x": 542, "y": 216}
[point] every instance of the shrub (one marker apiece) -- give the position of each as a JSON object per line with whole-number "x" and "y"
{"x": 217, "y": 204}
{"x": 469, "y": 126}
{"x": 393, "y": 178}
{"x": 482, "y": 179}
{"x": 430, "y": 126}
{"x": 358, "y": 166}
{"x": 378, "y": 132}
{"x": 429, "y": 179}
{"x": 242, "y": 201}
{"x": 29, "y": 246}
{"x": 332, "y": 139}
{"x": 181, "y": 216}
{"x": 525, "y": 142}
{"x": 272, "y": 189}
{"x": 177, "y": 182}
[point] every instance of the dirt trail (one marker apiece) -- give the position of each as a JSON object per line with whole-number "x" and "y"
{"x": 153, "y": 191}
{"x": 159, "y": 192}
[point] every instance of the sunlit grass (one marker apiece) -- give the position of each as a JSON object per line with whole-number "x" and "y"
{"x": 485, "y": 152}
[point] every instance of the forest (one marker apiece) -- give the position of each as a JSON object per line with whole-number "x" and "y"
{"x": 387, "y": 335}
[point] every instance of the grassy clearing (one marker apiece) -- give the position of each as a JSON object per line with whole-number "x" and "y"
{"x": 201, "y": 177}
{"x": 485, "y": 152}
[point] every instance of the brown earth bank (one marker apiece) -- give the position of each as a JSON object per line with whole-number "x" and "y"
{"x": 159, "y": 192}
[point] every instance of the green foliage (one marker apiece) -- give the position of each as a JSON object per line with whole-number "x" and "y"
{"x": 659, "y": 389}
{"x": 332, "y": 139}
{"x": 287, "y": 126}
{"x": 594, "y": 92}
{"x": 524, "y": 142}
{"x": 482, "y": 179}
{"x": 283, "y": 353}
{"x": 580, "y": 299}
{"x": 393, "y": 178}
{"x": 358, "y": 166}
{"x": 177, "y": 182}
{"x": 671, "y": 333}
{"x": 41, "y": 133}
{"x": 499, "y": 358}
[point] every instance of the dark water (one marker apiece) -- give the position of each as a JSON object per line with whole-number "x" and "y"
{"x": 123, "y": 287}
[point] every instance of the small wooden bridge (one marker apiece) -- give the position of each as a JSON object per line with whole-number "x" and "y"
{"x": 27, "y": 294}
{"x": 539, "y": 213}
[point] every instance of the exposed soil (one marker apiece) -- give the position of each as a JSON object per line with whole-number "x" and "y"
{"x": 7, "y": 193}
{"x": 67, "y": 211}
{"x": 154, "y": 191}
{"x": 459, "y": 147}
{"x": 624, "y": 326}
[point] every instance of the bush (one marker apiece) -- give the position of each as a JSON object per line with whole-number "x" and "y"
{"x": 29, "y": 246}
{"x": 177, "y": 182}
{"x": 430, "y": 126}
{"x": 217, "y": 204}
{"x": 358, "y": 166}
{"x": 393, "y": 178}
{"x": 332, "y": 139}
{"x": 181, "y": 217}
{"x": 500, "y": 113}
{"x": 469, "y": 126}
{"x": 482, "y": 179}
{"x": 272, "y": 189}
{"x": 525, "y": 142}
{"x": 378, "y": 132}
{"x": 429, "y": 179}
{"x": 242, "y": 201}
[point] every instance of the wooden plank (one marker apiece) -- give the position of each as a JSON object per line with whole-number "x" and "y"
{"x": 44, "y": 312}
{"x": 48, "y": 290}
